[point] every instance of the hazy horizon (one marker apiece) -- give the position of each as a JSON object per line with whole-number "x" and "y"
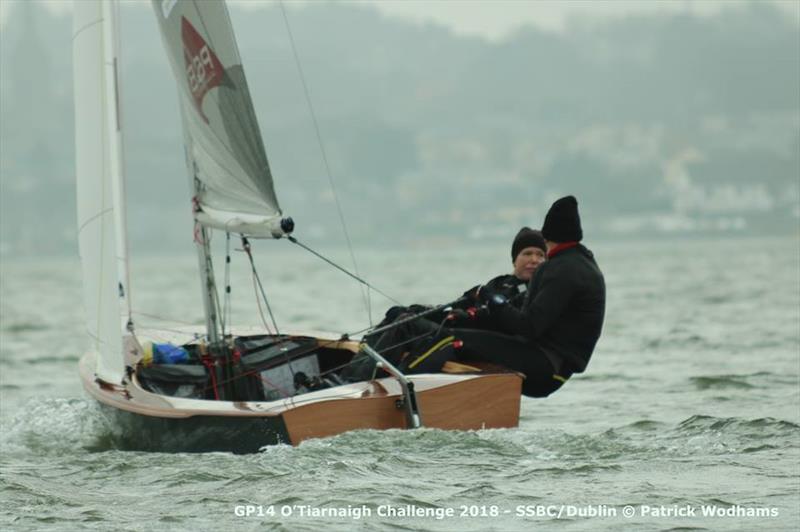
{"x": 676, "y": 123}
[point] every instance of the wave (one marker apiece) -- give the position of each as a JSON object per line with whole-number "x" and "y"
{"x": 759, "y": 428}
{"x": 57, "y": 426}
{"x": 721, "y": 382}
{"x": 46, "y": 360}
{"x": 25, "y": 327}
{"x": 674, "y": 340}
{"x": 762, "y": 380}
{"x": 698, "y": 435}
{"x": 52, "y": 426}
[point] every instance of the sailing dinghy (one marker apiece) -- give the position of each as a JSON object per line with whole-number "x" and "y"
{"x": 222, "y": 389}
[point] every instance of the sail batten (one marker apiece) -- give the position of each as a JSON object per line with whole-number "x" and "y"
{"x": 224, "y": 145}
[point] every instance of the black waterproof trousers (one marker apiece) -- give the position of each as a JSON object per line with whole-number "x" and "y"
{"x": 412, "y": 339}
{"x": 512, "y": 352}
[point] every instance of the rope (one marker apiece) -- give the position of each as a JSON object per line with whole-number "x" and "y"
{"x": 263, "y": 378}
{"x": 293, "y": 240}
{"x": 365, "y": 296}
{"x": 207, "y": 360}
{"x": 327, "y": 343}
{"x": 260, "y": 287}
{"x": 344, "y": 337}
{"x": 409, "y": 318}
{"x": 260, "y": 310}
{"x": 209, "y": 364}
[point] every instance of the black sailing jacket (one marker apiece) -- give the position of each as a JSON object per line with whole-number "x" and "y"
{"x": 564, "y": 309}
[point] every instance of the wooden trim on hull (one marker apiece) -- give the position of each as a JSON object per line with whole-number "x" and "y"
{"x": 490, "y": 401}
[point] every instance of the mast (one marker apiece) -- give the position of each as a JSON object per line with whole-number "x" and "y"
{"x": 209, "y": 285}
{"x": 206, "y": 267}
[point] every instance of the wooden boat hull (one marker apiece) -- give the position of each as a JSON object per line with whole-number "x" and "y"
{"x": 144, "y": 421}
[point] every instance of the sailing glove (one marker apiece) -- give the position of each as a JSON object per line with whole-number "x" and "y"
{"x": 492, "y": 299}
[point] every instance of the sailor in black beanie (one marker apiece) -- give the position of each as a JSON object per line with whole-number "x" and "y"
{"x": 555, "y": 331}
{"x": 563, "y": 223}
{"x": 527, "y": 252}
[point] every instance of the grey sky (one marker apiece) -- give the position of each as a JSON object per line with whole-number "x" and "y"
{"x": 496, "y": 19}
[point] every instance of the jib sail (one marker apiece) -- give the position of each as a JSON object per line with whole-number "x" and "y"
{"x": 225, "y": 152}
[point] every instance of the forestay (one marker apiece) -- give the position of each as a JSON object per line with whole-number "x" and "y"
{"x": 225, "y": 152}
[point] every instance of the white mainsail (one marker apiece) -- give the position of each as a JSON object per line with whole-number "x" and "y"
{"x": 225, "y": 152}
{"x": 101, "y": 236}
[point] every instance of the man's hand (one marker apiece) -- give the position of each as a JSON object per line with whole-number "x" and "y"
{"x": 491, "y": 298}
{"x": 459, "y": 316}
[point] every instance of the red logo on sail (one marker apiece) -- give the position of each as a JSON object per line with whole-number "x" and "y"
{"x": 203, "y": 69}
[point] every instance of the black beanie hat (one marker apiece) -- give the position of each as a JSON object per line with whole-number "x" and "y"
{"x": 562, "y": 223}
{"x": 527, "y": 238}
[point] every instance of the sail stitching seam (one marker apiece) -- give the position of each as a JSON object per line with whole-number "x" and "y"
{"x": 86, "y": 27}
{"x": 95, "y": 217}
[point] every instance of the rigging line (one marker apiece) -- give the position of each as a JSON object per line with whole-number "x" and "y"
{"x": 410, "y": 318}
{"x": 260, "y": 310}
{"x": 149, "y": 332}
{"x": 226, "y": 309}
{"x": 328, "y": 343}
{"x": 364, "y": 295}
{"x": 246, "y": 246}
{"x": 293, "y": 400}
{"x": 322, "y": 344}
{"x": 354, "y": 276}
{"x": 166, "y": 319}
{"x": 257, "y": 278}
{"x": 384, "y": 350}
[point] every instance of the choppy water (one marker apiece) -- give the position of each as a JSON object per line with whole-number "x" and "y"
{"x": 691, "y": 403}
